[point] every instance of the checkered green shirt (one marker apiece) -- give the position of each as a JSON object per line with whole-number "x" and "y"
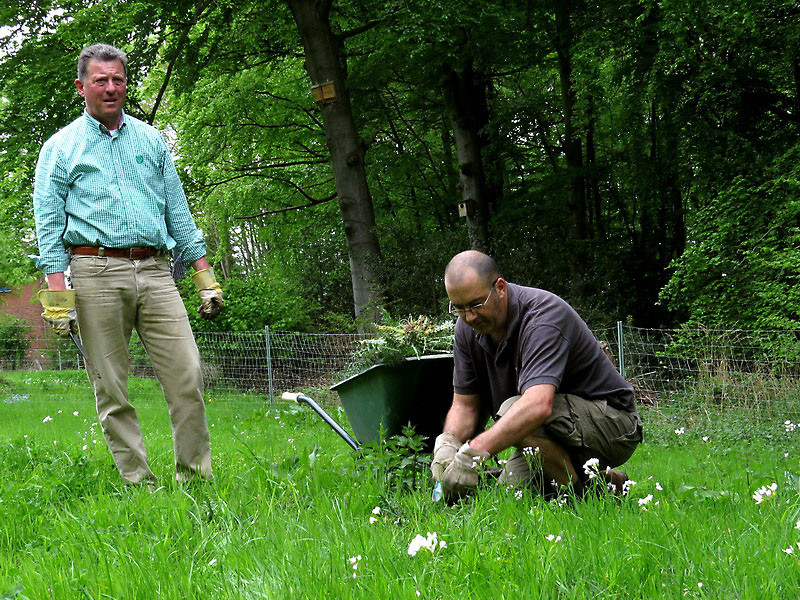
{"x": 117, "y": 191}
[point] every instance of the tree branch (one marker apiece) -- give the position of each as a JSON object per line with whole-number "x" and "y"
{"x": 198, "y": 12}
{"x": 358, "y": 30}
{"x": 314, "y": 202}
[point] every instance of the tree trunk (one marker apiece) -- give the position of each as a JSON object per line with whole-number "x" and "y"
{"x": 576, "y": 202}
{"x": 591, "y": 162}
{"x": 323, "y": 62}
{"x": 465, "y": 101}
{"x": 573, "y": 153}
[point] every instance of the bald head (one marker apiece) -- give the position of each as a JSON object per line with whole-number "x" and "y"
{"x": 471, "y": 264}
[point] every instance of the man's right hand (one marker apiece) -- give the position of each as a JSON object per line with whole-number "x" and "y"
{"x": 210, "y": 293}
{"x": 59, "y": 310}
{"x": 444, "y": 449}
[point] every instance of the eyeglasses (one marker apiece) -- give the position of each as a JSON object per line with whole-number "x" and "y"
{"x": 455, "y": 309}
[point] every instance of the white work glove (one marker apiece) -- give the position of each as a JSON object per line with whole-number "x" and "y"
{"x": 210, "y": 293}
{"x": 444, "y": 449}
{"x": 461, "y": 475}
{"x": 59, "y": 310}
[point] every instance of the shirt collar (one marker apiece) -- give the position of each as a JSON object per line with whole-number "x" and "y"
{"x": 97, "y": 126}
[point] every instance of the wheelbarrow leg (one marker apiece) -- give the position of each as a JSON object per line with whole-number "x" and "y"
{"x": 299, "y": 397}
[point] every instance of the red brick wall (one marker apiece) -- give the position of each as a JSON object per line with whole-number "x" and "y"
{"x": 18, "y": 303}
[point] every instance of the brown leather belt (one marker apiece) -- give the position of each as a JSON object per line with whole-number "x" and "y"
{"x": 132, "y": 253}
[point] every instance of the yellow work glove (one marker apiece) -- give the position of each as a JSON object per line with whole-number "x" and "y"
{"x": 59, "y": 310}
{"x": 444, "y": 449}
{"x": 210, "y": 293}
{"x": 461, "y": 475}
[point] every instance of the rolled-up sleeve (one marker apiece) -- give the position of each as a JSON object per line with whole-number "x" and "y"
{"x": 49, "y": 207}
{"x": 178, "y": 218}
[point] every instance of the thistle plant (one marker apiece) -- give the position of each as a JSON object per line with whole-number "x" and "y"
{"x": 410, "y": 337}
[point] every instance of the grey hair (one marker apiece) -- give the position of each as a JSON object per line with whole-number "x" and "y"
{"x": 102, "y": 52}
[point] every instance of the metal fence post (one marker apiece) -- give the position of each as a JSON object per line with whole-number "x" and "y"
{"x": 621, "y": 347}
{"x": 269, "y": 364}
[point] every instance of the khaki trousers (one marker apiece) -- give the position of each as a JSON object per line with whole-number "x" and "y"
{"x": 585, "y": 429}
{"x": 113, "y": 297}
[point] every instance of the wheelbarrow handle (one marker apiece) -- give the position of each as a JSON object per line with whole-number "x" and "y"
{"x": 300, "y": 397}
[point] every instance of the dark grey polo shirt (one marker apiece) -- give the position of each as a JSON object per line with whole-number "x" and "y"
{"x": 546, "y": 342}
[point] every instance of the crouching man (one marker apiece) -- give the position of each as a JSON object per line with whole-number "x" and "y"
{"x": 525, "y": 356}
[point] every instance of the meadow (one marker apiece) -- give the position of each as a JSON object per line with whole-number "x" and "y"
{"x": 294, "y": 513}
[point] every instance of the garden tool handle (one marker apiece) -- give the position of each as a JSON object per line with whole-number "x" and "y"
{"x": 300, "y": 397}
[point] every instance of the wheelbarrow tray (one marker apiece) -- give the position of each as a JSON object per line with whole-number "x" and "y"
{"x": 418, "y": 391}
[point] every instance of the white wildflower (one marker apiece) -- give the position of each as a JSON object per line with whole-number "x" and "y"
{"x": 680, "y": 430}
{"x": 658, "y": 487}
{"x": 765, "y": 492}
{"x": 354, "y": 563}
{"x": 626, "y": 487}
{"x": 376, "y": 510}
{"x": 74, "y": 413}
{"x": 643, "y": 502}
{"x": 431, "y": 542}
{"x": 553, "y": 538}
{"x": 372, "y": 520}
{"x": 47, "y": 418}
{"x": 591, "y": 467}
{"x": 706, "y": 438}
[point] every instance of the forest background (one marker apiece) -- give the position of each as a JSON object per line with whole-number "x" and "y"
{"x": 639, "y": 158}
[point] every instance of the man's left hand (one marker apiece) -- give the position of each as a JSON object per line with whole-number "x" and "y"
{"x": 461, "y": 476}
{"x": 210, "y": 293}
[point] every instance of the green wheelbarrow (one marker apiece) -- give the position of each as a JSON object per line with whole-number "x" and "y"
{"x": 416, "y": 392}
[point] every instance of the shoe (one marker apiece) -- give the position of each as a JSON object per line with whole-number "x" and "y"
{"x": 615, "y": 480}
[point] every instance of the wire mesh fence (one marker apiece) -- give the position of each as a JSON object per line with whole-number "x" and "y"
{"x": 756, "y": 373}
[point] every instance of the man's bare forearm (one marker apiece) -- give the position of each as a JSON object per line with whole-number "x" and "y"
{"x": 522, "y": 419}
{"x": 462, "y": 419}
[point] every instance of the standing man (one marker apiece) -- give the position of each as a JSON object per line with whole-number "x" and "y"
{"x": 525, "y": 356}
{"x": 109, "y": 205}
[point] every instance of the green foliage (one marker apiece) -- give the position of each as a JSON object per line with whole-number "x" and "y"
{"x": 13, "y": 341}
{"x": 672, "y": 101}
{"x": 251, "y": 303}
{"x": 401, "y": 460}
{"x": 409, "y": 337}
{"x": 742, "y": 265}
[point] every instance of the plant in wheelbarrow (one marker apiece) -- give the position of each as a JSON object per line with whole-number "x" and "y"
{"x": 409, "y": 338}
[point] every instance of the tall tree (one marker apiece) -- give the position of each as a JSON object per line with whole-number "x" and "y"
{"x": 347, "y": 149}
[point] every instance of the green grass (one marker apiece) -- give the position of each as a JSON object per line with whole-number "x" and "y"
{"x": 291, "y": 505}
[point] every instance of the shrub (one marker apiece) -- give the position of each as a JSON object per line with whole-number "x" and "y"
{"x": 13, "y": 341}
